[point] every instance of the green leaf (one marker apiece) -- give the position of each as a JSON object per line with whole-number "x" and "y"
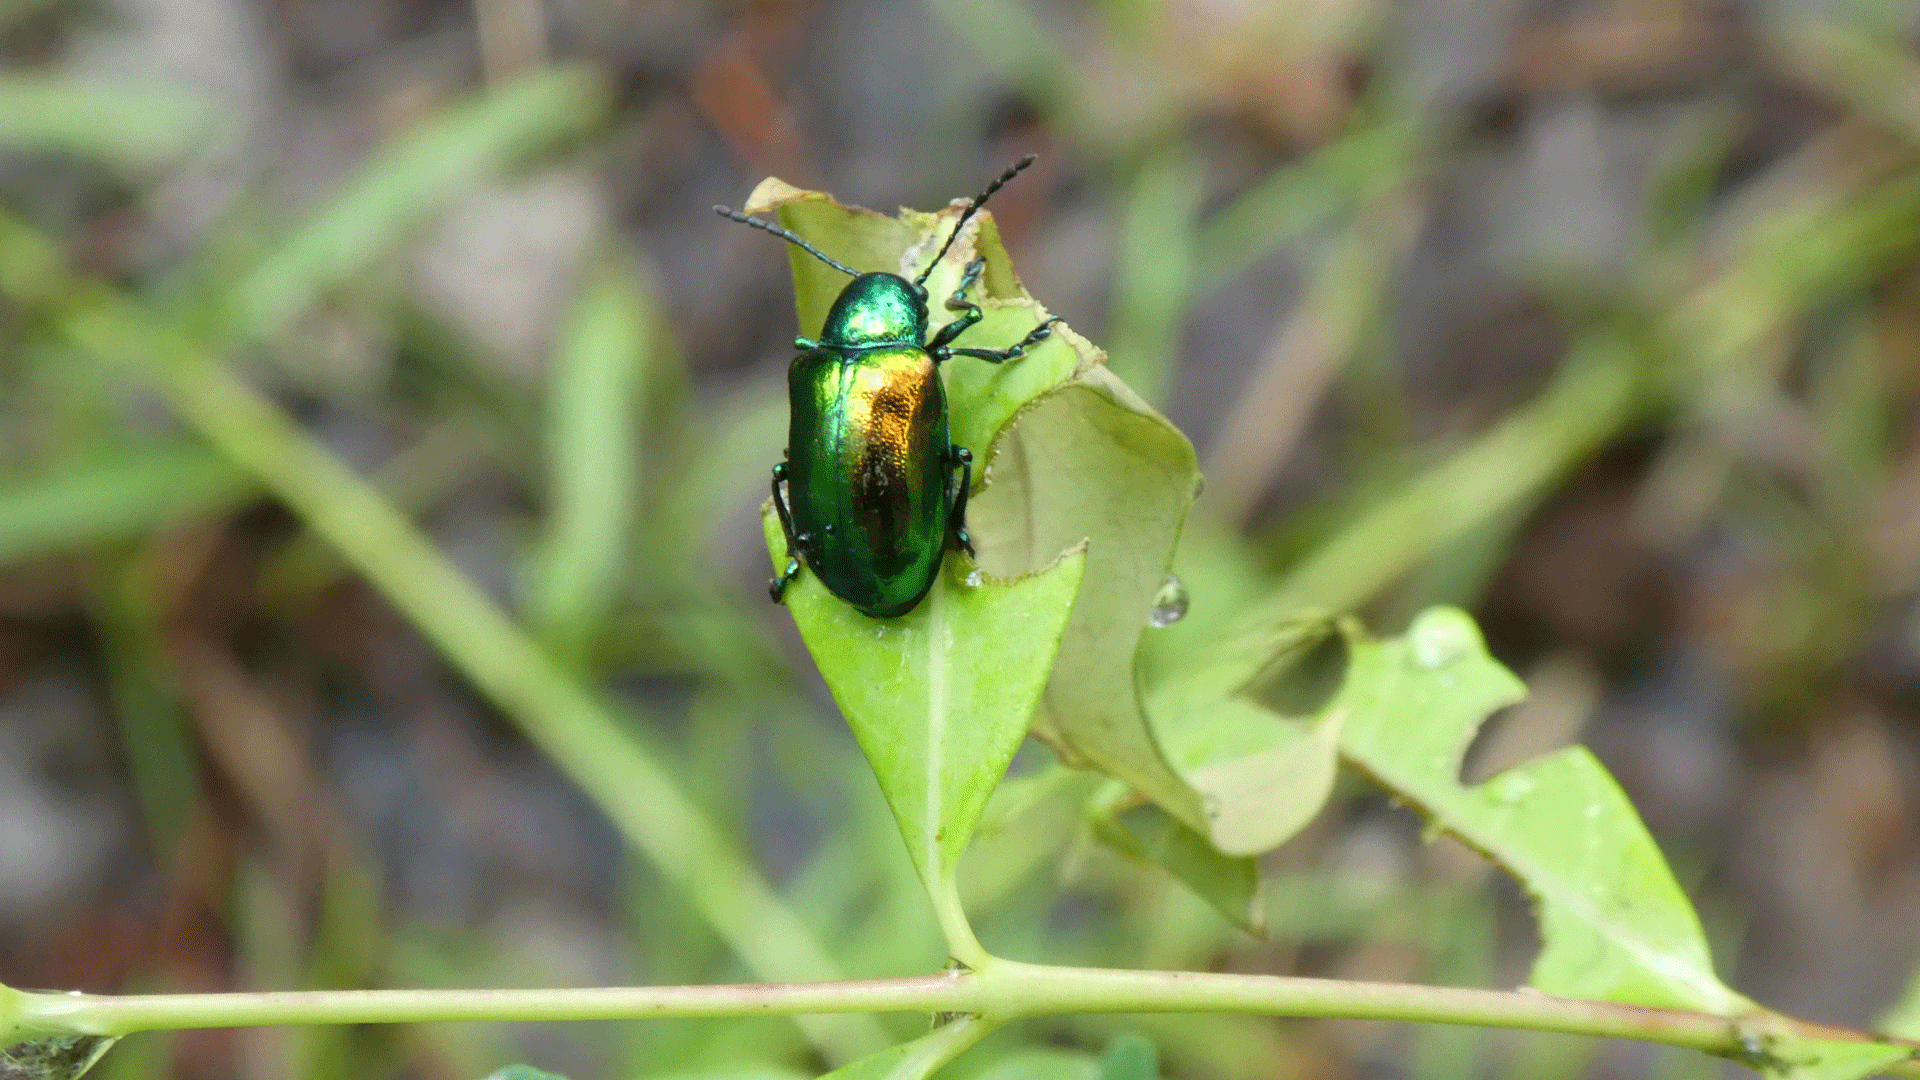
{"x": 1090, "y": 460}
{"x": 858, "y": 237}
{"x": 1614, "y": 923}
{"x": 1043, "y": 1063}
{"x": 738, "y": 1072}
{"x": 1231, "y": 885}
{"x": 940, "y": 697}
{"x": 523, "y": 1072}
{"x": 124, "y": 491}
{"x": 122, "y": 126}
{"x": 31, "y": 1052}
{"x": 1780, "y": 1055}
{"x": 53, "y": 1057}
{"x": 920, "y": 1058}
{"x": 1232, "y": 748}
{"x": 1259, "y": 800}
{"x": 593, "y": 410}
{"x": 410, "y": 181}
{"x": 1130, "y": 1057}
{"x": 12, "y": 1006}
{"x": 1074, "y": 455}
{"x": 1903, "y": 1019}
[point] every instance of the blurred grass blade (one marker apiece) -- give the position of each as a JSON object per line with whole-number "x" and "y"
{"x": 565, "y": 719}
{"x": 161, "y": 751}
{"x": 1348, "y": 289}
{"x": 1876, "y": 77}
{"x": 1153, "y": 272}
{"x": 123, "y": 126}
{"x": 1005, "y": 35}
{"x": 593, "y": 437}
{"x": 1354, "y": 169}
{"x": 407, "y": 183}
{"x": 127, "y": 491}
{"x": 1591, "y": 398}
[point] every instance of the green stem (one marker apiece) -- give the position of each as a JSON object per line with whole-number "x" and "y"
{"x": 1001, "y": 990}
{"x": 567, "y": 721}
{"x": 962, "y": 945}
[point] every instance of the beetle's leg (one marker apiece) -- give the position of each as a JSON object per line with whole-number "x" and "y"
{"x": 970, "y": 312}
{"x": 778, "y": 585}
{"x": 1012, "y": 352}
{"x": 961, "y": 458}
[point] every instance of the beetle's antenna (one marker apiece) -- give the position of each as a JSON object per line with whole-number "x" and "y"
{"x": 768, "y": 226}
{"x": 979, "y": 201}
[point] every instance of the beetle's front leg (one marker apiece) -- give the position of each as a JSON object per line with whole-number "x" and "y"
{"x": 1012, "y": 352}
{"x": 970, "y": 312}
{"x": 778, "y": 586}
{"x": 961, "y": 458}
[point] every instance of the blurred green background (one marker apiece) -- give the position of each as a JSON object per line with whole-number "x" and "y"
{"x": 1599, "y": 318}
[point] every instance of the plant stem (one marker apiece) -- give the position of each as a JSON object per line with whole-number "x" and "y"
{"x": 1001, "y": 990}
{"x": 561, "y": 716}
{"x": 962, "y": 945}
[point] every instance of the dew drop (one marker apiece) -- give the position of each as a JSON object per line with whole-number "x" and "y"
{"x": 59, "y": 1057}
{"x": 1170, "y": 603}
{"x": 1512, "y": 788}
{"x": 1441, "y": 636}
{"x": 974, "y": 579}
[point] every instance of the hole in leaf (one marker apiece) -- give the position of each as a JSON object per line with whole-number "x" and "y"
{"x": 1301, "y": 680}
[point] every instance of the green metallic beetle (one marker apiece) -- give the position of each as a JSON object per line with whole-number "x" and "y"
{"x": 870, "y": 502}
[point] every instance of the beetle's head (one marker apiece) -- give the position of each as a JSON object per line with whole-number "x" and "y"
{"x": 877, "y": 309}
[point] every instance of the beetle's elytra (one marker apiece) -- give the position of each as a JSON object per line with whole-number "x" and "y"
{"x": 870, "y": 499}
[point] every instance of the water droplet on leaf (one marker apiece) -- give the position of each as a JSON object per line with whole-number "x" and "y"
{"x": 1512, "y": 788}
{"x": 1170, "y": 603}
{"x": 1441, "y": 636}
{"x": 57, "y": 1057}
{"x": 973, "y": 580}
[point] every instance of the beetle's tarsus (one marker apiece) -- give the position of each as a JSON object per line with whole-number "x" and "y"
{"x": 777, "y": 587}
{"x": 970, "y": 312}
{"x": 1014, "y": 351}
{"x": 962, "y": 459}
